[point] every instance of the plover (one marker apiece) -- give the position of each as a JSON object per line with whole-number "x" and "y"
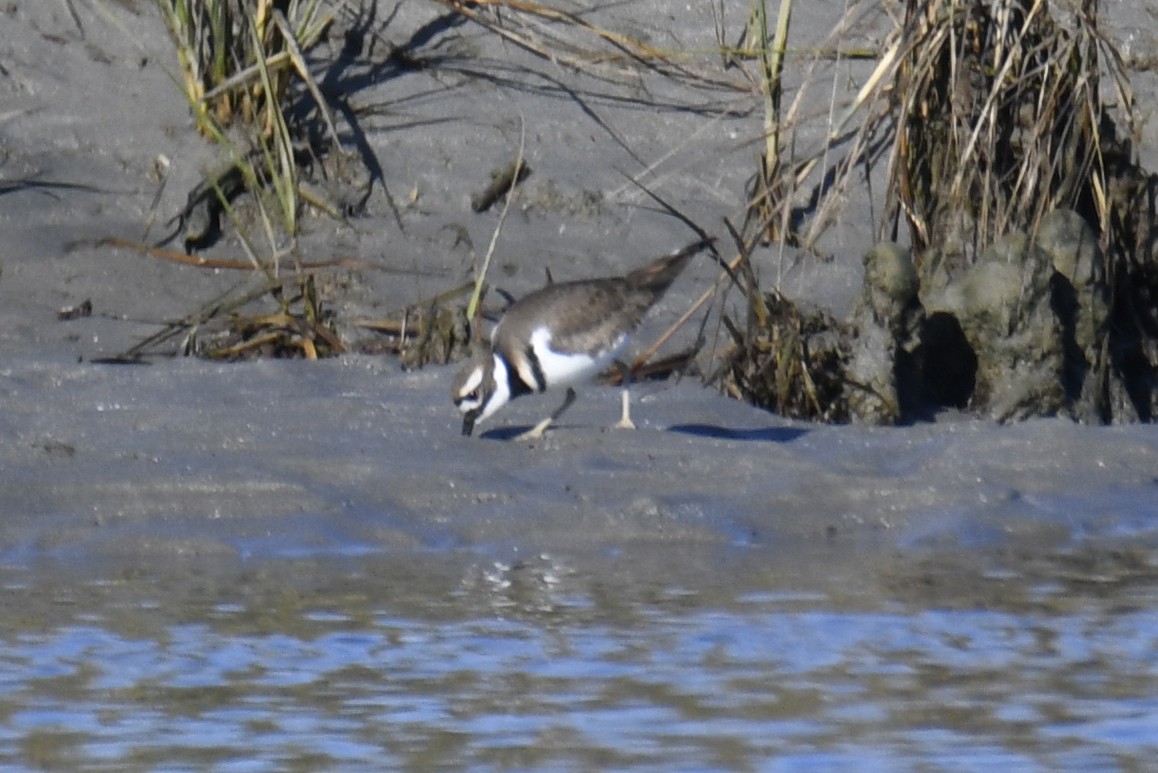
{"x": 559, "y": 336}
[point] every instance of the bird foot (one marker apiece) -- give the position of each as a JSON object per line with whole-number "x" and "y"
{"x": 625, "y": 421}
{"x": 536, "y": 432}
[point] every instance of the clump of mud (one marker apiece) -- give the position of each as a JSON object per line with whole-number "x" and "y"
{"x": 1034, "y": 287}
{"x": 1027, "y": 330}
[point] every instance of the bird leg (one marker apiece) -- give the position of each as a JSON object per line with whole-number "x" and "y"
{"x": 537, "y": 431}
{"x": 625, "y": 421}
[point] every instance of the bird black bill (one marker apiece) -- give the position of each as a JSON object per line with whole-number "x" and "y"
{"x": 467, "y": 425}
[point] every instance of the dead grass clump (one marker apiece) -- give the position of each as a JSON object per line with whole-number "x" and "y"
{"x": 297, "y": 326}
{"x": 301, "y": 329}
{"x": 435, "y": 330}
{"x": 792, "y": 364}
{"x": 1002, "y": 117}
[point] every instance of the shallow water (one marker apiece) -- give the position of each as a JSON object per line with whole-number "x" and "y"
{"x": 659, "y": 657}
{"x": 197, "y": 576}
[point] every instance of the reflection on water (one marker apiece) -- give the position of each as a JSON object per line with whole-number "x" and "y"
{"x": 660, "y": 658}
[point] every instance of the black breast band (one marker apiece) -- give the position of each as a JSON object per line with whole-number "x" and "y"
{"x": 540, "y": 384}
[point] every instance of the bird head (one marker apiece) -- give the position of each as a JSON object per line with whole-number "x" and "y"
{"x": 480, "y": 389}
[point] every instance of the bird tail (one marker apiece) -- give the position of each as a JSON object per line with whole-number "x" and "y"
{"x": 658, "y": 275}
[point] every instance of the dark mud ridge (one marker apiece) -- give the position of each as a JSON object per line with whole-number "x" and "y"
{"x": 1033, "y": 328}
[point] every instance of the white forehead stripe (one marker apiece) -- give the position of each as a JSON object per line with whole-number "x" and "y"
{"x": 472, "y": 383}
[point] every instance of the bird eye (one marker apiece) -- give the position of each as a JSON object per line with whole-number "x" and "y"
{"x": 473, "y": 395}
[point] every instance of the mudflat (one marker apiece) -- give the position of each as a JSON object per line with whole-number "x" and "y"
{"x": 182, "y": 489}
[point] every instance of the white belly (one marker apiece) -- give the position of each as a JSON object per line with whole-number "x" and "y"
{"x": 561, "y": 370}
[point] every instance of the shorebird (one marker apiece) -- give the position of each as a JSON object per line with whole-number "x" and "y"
{"x": 559, "y": 336}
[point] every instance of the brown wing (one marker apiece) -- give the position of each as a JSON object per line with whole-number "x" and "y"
{"x": 587, "y": 315}
{"x": 584, "y": 315}
{"x": 609, "y": 310}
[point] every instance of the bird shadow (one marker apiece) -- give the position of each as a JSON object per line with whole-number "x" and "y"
{"x": 758, "y": 434}
{"x": 715, "y": 432}
{"x": 504, "y": 433}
